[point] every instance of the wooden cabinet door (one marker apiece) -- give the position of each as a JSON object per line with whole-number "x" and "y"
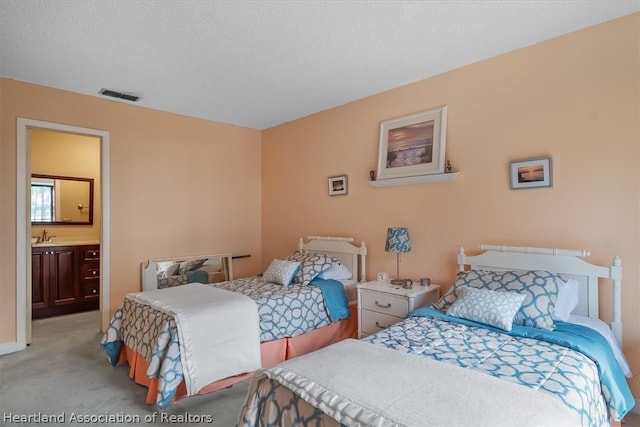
{"x": 64, "y": 274}
{"x": 39, "y": 278}
{"x": 64, "y": 279}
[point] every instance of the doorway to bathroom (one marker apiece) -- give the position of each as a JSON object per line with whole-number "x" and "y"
{"x": 57, "y": 150}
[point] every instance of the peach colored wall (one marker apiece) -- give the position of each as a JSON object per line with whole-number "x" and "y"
{"x": 179, "y": 185}
{"x": 574, "y": 98}
{"x": 63, "y": 154}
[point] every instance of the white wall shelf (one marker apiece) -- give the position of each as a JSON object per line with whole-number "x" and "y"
{"x": 421, "y": 179}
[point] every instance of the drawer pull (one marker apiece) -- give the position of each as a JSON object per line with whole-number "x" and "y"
{"x": 383, "y": 306}
{"x": 94, "y": 272}
{"x": 380, "y": 326}
{"x": 94, "y": 291}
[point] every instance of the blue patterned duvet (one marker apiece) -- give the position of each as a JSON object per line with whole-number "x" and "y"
{"x": 284, "y": 311}
{"x": 596, "y": 392}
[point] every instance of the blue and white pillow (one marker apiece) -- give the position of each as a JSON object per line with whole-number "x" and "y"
{"x": 489, "y": 307}
{"x": 311, "y": 265}
{"x": 281, "y": 271}
{"x": 539, "y": 287}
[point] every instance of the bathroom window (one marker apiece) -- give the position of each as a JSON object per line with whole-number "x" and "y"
{"x": 42, "y": 197}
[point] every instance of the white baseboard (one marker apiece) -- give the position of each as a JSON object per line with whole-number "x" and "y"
{"x": 10, "y": 347}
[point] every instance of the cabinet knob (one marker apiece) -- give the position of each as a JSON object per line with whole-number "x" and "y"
{"x": 94, "y": 291}
{"x": 94, "y": 272}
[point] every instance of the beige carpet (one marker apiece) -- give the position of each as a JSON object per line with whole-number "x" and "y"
{"x": 65, "y": 373}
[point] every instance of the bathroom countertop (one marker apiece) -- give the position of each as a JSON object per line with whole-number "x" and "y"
{"x": 65, "y": 243}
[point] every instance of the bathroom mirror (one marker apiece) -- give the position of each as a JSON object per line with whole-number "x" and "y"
{"x": 61, "y": 200}
{"x": 176, "y": 271}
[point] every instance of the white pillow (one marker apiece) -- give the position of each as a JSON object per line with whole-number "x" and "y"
{"x": 604, "y": 330}
{"x": 167, "y": 269}
{"x": 336, "y": 272}
{"x": 567, "y": 300}
{"x": 281, "y": 271}
{"x": 493, "y": 308}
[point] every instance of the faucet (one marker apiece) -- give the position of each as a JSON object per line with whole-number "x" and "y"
{"x": 45, "y": 238}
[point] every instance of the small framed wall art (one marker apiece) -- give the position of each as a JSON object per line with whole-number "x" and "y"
{"x": 531, "y": 173}
{"x": 413, "y": 145}
{"x": 338, "y": 185}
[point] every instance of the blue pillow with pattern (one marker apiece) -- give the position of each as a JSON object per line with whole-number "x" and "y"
{"x": 539, "y": 287}
{"x": 311, "y": 265}
{"x": 489, "y": 307}
{"x": 281, "y": 271}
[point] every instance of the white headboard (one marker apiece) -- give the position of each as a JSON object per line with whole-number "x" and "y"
{"x": 562, "y": 261}
{"x": 352, "y": 256}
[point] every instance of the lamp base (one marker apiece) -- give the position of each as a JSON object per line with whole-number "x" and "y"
{"x": 403, "y": 283}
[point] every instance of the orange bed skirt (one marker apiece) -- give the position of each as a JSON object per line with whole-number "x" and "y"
{"x": 273, "y": 352}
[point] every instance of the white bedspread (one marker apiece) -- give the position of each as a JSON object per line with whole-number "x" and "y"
{"x": 423, "y": 392}
{"x": 218, "y": 331}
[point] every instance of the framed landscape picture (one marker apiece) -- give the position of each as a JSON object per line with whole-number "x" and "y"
{"x": 531, "y": 173}
{"x": 413, "y": 145}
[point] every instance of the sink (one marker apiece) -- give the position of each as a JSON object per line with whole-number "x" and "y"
{"x": 65, "y": 243}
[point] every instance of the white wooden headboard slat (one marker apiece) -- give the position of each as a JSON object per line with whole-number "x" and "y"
{"x": 342, "y": 248}
{"x": 532, "y": 250}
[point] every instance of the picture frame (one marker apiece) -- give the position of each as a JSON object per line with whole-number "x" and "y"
{"x": 531, "y": 173}
{"x": 382, "y": 277}
{"x": 413, "y": 145}
{"x": 338, "y": 185}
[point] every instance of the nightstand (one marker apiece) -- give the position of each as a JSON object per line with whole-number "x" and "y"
{"x": 380, "y": 304}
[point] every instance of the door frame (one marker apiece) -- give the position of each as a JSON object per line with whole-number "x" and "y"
{"x": 23, "y": 226}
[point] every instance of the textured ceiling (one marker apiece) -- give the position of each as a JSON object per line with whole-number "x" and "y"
{"x": 261, "y": 63}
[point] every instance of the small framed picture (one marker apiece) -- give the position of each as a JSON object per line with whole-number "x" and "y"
{"x": 531, "y": 173}
{"x": 382, "y": 277}
{"x": 338, "y": 185}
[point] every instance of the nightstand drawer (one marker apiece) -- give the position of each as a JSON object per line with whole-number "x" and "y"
{"x": 373, "y": 322}
{"x": 393, "y": 305}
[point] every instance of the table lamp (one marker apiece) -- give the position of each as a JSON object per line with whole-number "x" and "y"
{"x": 397, "y": 242}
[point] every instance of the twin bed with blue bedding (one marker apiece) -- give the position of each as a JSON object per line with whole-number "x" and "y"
{"x": 187, "y": 341}
{"x": 516, "y": 353}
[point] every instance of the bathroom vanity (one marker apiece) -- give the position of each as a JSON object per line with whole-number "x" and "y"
{"x": 65, "y": 278}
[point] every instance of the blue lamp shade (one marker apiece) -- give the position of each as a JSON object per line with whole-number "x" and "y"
{"x": 398, "y": 240}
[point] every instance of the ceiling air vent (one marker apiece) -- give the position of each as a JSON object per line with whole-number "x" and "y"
{"x": 120, "y": 95}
